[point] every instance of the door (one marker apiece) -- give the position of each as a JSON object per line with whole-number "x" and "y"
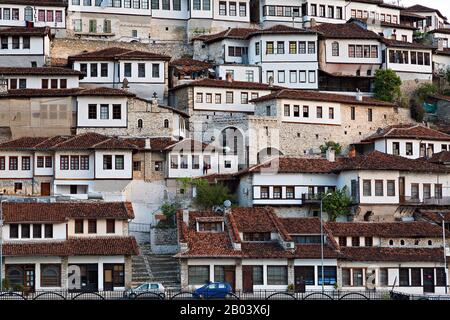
{"x": 303, "y": 275}
{"x": 45, "y": 188}
{"x": 29, "y": 278}
{"x": 428, "y": 280}
{"x": 401, "y": 189}
{"x": 108, "y": 279}
{"x": 247, "y": 278}
{"x": 230, "y": 276}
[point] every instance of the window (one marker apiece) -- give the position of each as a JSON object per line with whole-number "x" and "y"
{"x": 222, "y": 8}
{"x": 117, "y": 111}
{"x": 293, "y": 76}
{"x": 296, "y": 111}
{"x": 198, "y": 275}
{"x": 313, "y": 8}
{"x": 92, "y": 111}
{"x": 290, "y": 193}
{"x": 199, "y": 97}
{"x": 357, "y": 277}
{"x": 244, "y": 97}
{"x": 257, "y": 274}
{"x": 4, "y": 42}
{"x": 107, "y": 162}
{"x": 369, "y": 115}
{"x": 355, "y": 241}
{"x": 136, "y": 165}
{"x": 26, "y": 42}
{"x": 302, "y": 47}
{"x": 277, "y": 192}
{"x": 409, "y": 149}
{"x": 50, "y": 275}
{"x": 383, "y": 277}
{"x": 119, "y": 162}
{"x": 335, "y": 49}
{"x": 141, "y": 70}
{"x": 13, "y": 163}
{"x": 64, "y": 162}
{"x": 174, "y": 162}
{"x": 287, "y": 110}
{"x": 276, "y": 275}
{"x": 346, "y": 282}
{"x": 305, "y": 112}
{"x": 155, "y": 70}
{"x": 338, "y": 13}
{"x": 79, "y": 225}
{"x": 367, "y": 188}
{"x": 166, "y": 123}
{"x": 438, "y": 191}
{"x": 229, "y": 97}
{"x": 154, "y": 4}
{"x": 440, "y": 277}
{"x": 404, "y": 277}
{"x": 74, "y": 163}
{"x": 15, "y": 42}
{"x": 158, "y": 165}
{"x": 92, "y": 226}
{"x": 312, "y": 76}
{"x": 249, "y": 76}
{"x": 209, "y": 98}
{"x": 37, "y": 231}
{"x": 26, "y": 163}
{"x": 257, "y": 51}
{"x": 110, "y": 226}
{"x": 426, "y": 191}
{"x": 329, "y": 275}
{"x": 264, "y": 192}
{"x": 307, "y": 239}
{"x": 414, "y": 190}
{"x": 14, "y": 231}
{"x": 292, "y": 47}
{"x": 311, "y": 47}
{"x": 48, "y": 230}
{"x": 242, "y": 9}
{"x": 391, "y": 188}
{"x": 331, "y": 113}
{"x": 63, "y": 83}
{"x": 232, "y": 9}
{"x": 269, "y": 47}
{"x": 280, "y": 47}
{"x": 368, "y": 241}
{"x": 104, "y": 111}
{"x": 379, "y": 188}
{"x": 127, "y": 69}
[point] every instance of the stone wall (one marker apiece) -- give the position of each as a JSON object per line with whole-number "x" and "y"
{"x": 164, "y": 240}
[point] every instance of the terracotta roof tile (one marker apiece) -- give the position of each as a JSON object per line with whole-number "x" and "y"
{"x": 115, "y": 53}
{"x": 75, "y": 246}
{"x": 287, "y": 164}
{"x": 24, "y": 31}
{"x": 39, "y": 71}
{"x": 392, "y": 254}
{"x": 188, "y": 65}
{"x": 404, "y": 44}
{"x": 50, "y": 3}
{"x": 156, "y": 143}
{"x": 442, "y": 157}
{"x": 91, "y": 140}
{"x": 345, "y": 31}
{"x": 321, "y": 96}
{"x": 15, "y": 212}
{"x": 421, "y": 8}
{"x": 415, "y": 131}
{"x": 254, "y": 219}
{"x": 98, "y": 91}
{"x": 232, "y": 33}
{"x": 385, "y": 229}
{"x": 215, "y": 83}
{"x": 24, "y": 143}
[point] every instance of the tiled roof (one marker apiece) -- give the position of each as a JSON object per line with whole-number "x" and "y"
{"x": 301, "y": 225}
{"x": 254, "y": 219}
{"x": 188, "y": 144}
{"x": 402, "y": 44}
{"x": 75, "y": 246}
{"x": 91, "y": 140}
{"x": 215, "y": 83}
{"x": 385, "y": 229}
{"x": 39, "y": 71}
{"x": 24, "y": 31}
{"x": 115, "y": 53}
{"x": 287, "y": 164}
{"x": 440, "y": 157}
{"x": 50, "y": 3}
{"x": 392, "y": 254}
{"x": 421, "y": 8}
{"x": 382, "y": 161}
{"x": 15, "y": 212}
{"x": 281, "y": 29}
{"x": 188, "y": 65}
{"x": 435, "y": 215}
{"x": 321, "y": 96}
{"x": 156, "y": 143}
{"x": 24, "y": 143}
{"x": 98, "y": 91}
{"x": 441, "y": 30}
{"x": 444, "y": 52}
{"x": 232, "y": 33}
{"x": 345, "y": 31}
{"x": 371, "y": 21}
{"x": 411, "y": 131}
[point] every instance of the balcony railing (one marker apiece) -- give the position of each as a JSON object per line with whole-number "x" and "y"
{"x": 439, "y": 201}
{"x": 310, "y": 198}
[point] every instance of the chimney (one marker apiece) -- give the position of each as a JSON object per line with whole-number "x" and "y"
{"x": 359, "y": 96}
{"x": 229, "y": 77}
{"x": 429, "y": 152}
{"x": 148, "y": 145}
{"x": 186, "y": 216}
{"x": 312, "y": 23}
{"x": 3, "y": 86}
{"x": 331, "y": 154}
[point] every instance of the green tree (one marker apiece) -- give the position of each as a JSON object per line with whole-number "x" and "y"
{"x": 210, "y": 195}
{"x": 336, "y": 203}
{"x": 169, "y": 210}
{"x": 334, "y": 145}
{"x": 387, "y": 85}
{"x": 424, "y": 91}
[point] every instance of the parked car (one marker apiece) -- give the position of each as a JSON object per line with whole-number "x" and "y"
{"x": 213, "y": 290}
{"x": 153, "y": 287}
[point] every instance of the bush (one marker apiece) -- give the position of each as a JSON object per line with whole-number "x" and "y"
{"x": 336, "y": 204}
{"x": 169, "y": 210}
{"x": 210, "y": 195}
{"x": 387, "y": 85}
{"x": 334, "y": 145}
{"x": 424, "y": 91}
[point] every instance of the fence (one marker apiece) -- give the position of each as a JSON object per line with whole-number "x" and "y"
{"x": 186, "y": 295}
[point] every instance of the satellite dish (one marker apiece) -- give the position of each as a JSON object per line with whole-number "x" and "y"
{"x": 227, "y": 203}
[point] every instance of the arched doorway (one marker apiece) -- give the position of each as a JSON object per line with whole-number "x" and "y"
{"x": 232, "y": 142}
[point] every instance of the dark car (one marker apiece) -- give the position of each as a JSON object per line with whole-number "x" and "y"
{"x": 213, "y": 290}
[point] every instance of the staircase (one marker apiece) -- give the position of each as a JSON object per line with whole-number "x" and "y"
{"x": 149, "y": 267}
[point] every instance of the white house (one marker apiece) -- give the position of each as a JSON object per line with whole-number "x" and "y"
{"x": 408, "y": 140}
{"x": 75, "y": 246}
{"x": 24, "y": 46}
{"x": 49, "y": 13}
{"x": 286, "y": 56}
{"x": 41, "y": 77}
{"x": 146, "y": 74}
{"x": 433, "y": 18}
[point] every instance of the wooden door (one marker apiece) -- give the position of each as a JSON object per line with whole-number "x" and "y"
{"x": 247, "y": 278}
{"x": 108, "y": 279}
{"x": 45, "y": 188}
{"x": 428, "y": 280}
{"x": 401, "y": 188}
{"x": 302, "y": 276}
{"x": 230, "y": 276}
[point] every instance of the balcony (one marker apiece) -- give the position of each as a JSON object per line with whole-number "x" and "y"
{"x": 310, "y": 198}
{"x": 441, "y": 201}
